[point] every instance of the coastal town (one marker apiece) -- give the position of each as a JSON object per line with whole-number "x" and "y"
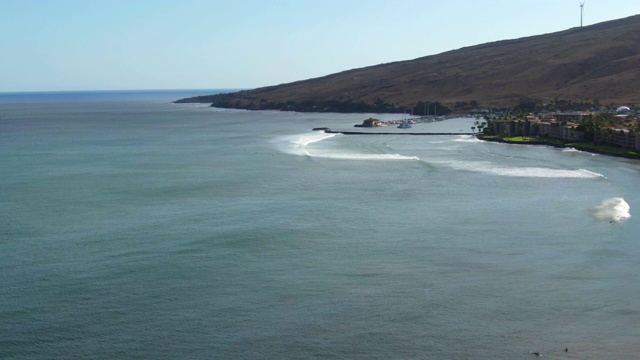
{"x": 596, "y": 130}
{"x": 614, "y": 131}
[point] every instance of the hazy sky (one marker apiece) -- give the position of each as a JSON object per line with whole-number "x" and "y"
{"x": 50, "y": 45}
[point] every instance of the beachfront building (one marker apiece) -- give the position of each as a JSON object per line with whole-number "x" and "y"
{"x": 535, "y": 127}
{"x": 620, "y": 137}
{"x": 575, "y": 116}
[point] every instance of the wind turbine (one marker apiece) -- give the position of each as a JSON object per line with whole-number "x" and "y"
{"x": 581, "y": 10}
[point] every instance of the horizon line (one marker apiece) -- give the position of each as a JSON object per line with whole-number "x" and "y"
{"x": 116, "y": 90}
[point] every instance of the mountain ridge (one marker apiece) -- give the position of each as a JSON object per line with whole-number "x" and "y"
{"x": 597, "y": 63}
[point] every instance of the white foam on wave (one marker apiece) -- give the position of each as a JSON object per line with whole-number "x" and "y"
{"x": 612, "y": 210}
{"x": 347, "y": 156}
{"x": 467, "y": 138}
{"x": 541, "y": 172}
{"x": 460, "y": 138}
{"x": 523, "y": 171}
{"x": 574, "y": 150}
{"x": 306, "y": 139}
{"x": 300, "y": 145}
{"x": 295, "y": 144}
{"x": 570, "y": 149}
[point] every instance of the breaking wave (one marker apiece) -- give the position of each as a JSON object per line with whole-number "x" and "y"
{"x": 612, "y": 210}
{"x": 574, "y": 150}
{"x": 541, "y": 172}
{"x": 302, "y": 145}
{"x": 535, "y": 172}
{"x": 468, "y": 138}
{"x": 347, "y": 156}
{"x": 305, "y": 140}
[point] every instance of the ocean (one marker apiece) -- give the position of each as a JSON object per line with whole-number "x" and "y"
{"x": 135, "y": 228}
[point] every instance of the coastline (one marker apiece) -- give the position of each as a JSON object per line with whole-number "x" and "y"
{"x": 582, "y": 146}
{"x": 516, "y": 140}
{"x": 329, "y": 131}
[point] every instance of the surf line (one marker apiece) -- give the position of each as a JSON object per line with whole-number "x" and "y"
{"x": 329, "y": 131}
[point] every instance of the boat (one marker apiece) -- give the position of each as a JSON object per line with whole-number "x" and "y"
{"x": 404, "y": 125}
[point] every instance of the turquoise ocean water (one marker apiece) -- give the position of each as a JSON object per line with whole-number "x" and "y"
{"x": 132, "y": 227}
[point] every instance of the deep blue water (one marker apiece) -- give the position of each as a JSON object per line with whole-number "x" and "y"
{"x": 132, "y": 227}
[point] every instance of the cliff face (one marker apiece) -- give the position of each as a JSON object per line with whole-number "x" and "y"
{"x": 598, "y": 62}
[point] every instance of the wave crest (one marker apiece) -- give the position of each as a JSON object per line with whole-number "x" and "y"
{"x": 612, "y": 210}
{"x": 305, "y": 140}
{"x": 347, "y": 156}
{"x": 545, "y": 173}
{"x": 299, "y": 145}
{"x": 468, "y": 138}
{"x": 523, "y": 171}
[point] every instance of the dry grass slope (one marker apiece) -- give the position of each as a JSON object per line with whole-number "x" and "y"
{"x": 600, "y": 62}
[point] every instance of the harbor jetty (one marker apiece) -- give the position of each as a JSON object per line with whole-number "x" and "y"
{"x": 375, "y": 123}
{"x": 329, "y": 131}
{"x": 371, "y": 122}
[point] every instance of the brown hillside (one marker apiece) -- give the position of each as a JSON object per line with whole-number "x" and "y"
{"x": 600, "y": 62}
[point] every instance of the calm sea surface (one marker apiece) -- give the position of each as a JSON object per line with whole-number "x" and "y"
{"x": 132, "y": 227}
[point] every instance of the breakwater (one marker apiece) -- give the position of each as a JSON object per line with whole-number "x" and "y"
{"x": 329, "y": 131}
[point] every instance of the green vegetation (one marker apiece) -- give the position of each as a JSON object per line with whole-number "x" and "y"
{"x": 240, "y": 100}
{"x": 605, "y": 149}
{"x": 591, "y": 68}
{"x": 583, "y": 146}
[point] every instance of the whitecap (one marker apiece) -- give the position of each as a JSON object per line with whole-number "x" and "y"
{"x": 541, "y": 172}
{"x": 612, "y": 210}
{"x": 300, "y": 145}
{"x": 296, "y": 144}
{"x": 570, "y": 149}
{"x": 523, "y": 171}
{"x": 467, "y": 138}
{"x": 306, "y": 139}
{"x": 356, "y": 156}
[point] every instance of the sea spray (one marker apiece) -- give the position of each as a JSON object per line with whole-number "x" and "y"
{"x": 612, "y": 210}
